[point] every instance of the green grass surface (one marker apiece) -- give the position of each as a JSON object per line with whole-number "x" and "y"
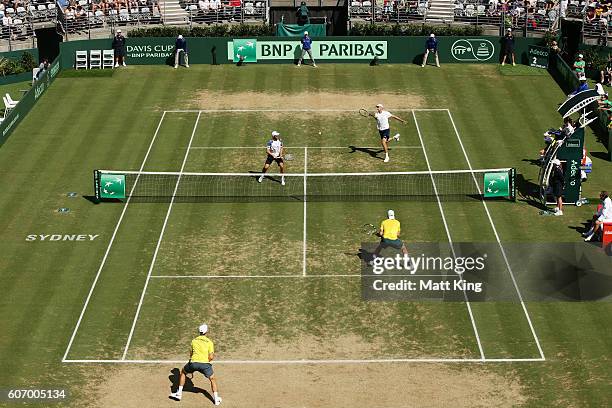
{"x": 521, "y": 70}
{"x": 87, "y": 73}
{"x": 54, "y": 150}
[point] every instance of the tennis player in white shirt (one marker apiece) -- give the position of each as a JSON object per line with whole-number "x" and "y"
{"x": 274, "y": 149}
{"x": 382, "y": 124}
{"x": 604, "y": 215}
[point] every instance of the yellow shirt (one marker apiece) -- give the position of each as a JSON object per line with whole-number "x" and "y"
{"x": 391, "y": 229}
{"x": 201, "y": 346}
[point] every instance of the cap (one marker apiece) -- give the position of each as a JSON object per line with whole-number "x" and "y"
{"x": 118, "y": 30}
{"x": 379, "y": 105}
{"x": 580, "y": 56}
{"x": 509, "y": 30}
{"x": 391, "y": 214}
{"x": 180, "y": 37}
{"x": 432, "y": 35}
{"x": 275, "y": 133}
{"x": 203, "y": 329}
{"x": 557, "y": 162}
{"x": 305, "y": 32}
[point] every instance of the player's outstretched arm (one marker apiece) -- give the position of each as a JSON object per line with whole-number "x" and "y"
{"x": 398, "y": 118}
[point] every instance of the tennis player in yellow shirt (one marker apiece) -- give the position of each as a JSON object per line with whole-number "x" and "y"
{"x": 389, "y": 234}
{"x": 202, "y": 353}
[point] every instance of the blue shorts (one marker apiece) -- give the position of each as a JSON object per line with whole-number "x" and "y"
{"x": 384, "y": 134}
{"x": 204, "y": 368}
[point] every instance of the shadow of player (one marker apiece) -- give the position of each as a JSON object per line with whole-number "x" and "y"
{"x": 189, "y": 387}
{"x": 367, "y": 150}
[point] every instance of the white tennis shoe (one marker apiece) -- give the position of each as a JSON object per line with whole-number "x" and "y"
{"x": 260, "y": 179}
{"x": 396, "y": 137}
{"x": 283, "y": 181}
{"x": 176, "y": 396}
{"x": 386, "y": 159}
{"x": 218, "y": 401}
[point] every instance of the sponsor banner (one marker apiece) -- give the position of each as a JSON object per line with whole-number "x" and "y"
{"x": 321, "y": 50}
{"x": 149, "y": 52}
{"x": 538, "y": 56}
{"x": 472, "y": 50}
{"x": 496, "y": 184}
{"x": 112, "y": 186}
{"x": 486, "y": 272}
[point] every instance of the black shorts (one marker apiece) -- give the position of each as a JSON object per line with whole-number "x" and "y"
{"x": 384, "y": 134}
{"x": 509, "y": 51}
{"x": 204, "y": 368}
{"x": 557, "y": 189}
{"x": 393, "y": 243}
{"x": 278, "y": 160}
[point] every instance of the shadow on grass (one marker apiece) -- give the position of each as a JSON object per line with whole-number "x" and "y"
{"x": 367, "y": 150}
{"x": 189, "y": 386}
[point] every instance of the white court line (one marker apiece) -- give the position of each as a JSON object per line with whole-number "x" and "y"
{"x": 291, "y": 110}
{"x": 159, "y": 241}
{"x": 110, "y": 244}
{"x": 501, "y": 247}
{"x": 334, "y": 361}
{"x": 305, "y": 211}
{"x": 348, "y": 275}
{"x": 302, "y": 147}
{"x": 450, "y": 241}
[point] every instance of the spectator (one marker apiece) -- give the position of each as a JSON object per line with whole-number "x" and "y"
{"x": 119, "y": 49}
{"x": 42, "y": 67}
{"x": 557, "y": 182}
{"x": 303, "y": 14}
{"x": 579, "y": 65}
{"x": 431, "y": 45}
{"x": 306, "y": 48}
{"x": 606, "y": 74}
{"x": 180, "y": 46}
{"x": 554, "y": 47}
{"x": 604, "y": 214}
{"x": 508, "y": 47}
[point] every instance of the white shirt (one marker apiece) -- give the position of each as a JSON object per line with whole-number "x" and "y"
{"x": 600, "y": 89}
{"x": 275, "y": 147}
{"x": 606, "y": 211}
{"x": 382, "y": 120}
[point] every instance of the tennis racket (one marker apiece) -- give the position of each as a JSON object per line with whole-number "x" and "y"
{"x": 369, "y": 229}
{"x": 365, "y": 113}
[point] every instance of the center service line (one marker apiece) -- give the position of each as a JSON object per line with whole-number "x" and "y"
{"x": 159, "y": 241}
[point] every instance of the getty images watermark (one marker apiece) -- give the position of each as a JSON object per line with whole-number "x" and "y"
{"x": 430, "y": 275}
{"x": 483, "y": 271}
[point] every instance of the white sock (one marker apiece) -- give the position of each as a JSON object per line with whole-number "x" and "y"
{"x": 216, "y": 394}
{"x": 180, "y": 389}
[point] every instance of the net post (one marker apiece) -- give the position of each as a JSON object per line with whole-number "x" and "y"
{"x": 97, "y": 186}
{"x": 512, "y": 181}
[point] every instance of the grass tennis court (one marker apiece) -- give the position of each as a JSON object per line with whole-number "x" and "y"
{"x": 279, "y": 282}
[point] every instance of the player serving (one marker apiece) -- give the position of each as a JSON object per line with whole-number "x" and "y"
{"x": 382, "y": 124}
{"x": 275, "y": 151}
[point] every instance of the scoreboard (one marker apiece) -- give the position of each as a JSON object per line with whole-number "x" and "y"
{"x": 538, "y": 56}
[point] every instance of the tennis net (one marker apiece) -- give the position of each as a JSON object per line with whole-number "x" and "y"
{"x": 230, "y": 187}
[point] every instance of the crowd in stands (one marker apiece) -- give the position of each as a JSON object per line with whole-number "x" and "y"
{"x": 76, "y": 15}
{"x": 213, "y": 11}
{"x": 540, "y": 13}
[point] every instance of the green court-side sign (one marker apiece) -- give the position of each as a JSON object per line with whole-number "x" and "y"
{"x": 245, "y": 49}
{"x": 538, "y": 56}
{"x": 321, "y": 50}
{"x": 112, "y": 186}
{"x": 496, "y": 184}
